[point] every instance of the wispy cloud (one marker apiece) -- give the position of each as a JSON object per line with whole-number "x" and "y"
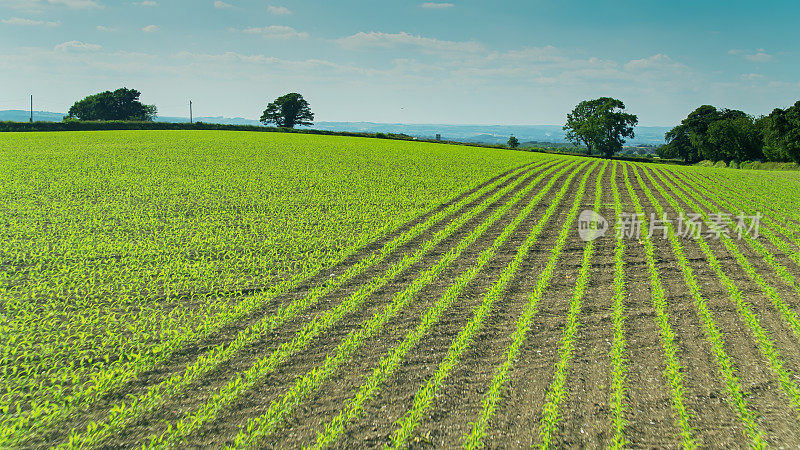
{"x": 106, "y": 29}
{"x": 151, "y": 28}
{"x": 434, "y": 5}
{"x": 78, "y": 4}
{"x": 658, "y": 62}
{"x": 219, "y": 4}
{"x": 752, "y": 76}
{"x": 40, "y": 5}
{"x": 77, "y": 46}
{"x": 29, "y": 22}
{"x": 276, "y": 32}
{"x": 378, "y": 40}
{"x": 759, "y": 56}
{"x": 278, "y": 10}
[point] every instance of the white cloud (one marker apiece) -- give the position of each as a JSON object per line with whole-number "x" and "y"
{"x": 276, "y": 32}
{"x": 752, "y": 76}
{"x": 433, "y": 5}
{"x": 377, "y": 40}
{"x": 105, "y": 29}
{"x": 278, "y": 10}
{"x": 16, "y": 4}
{"x": 147, "y": 3}
{"x": 40, "y": 5}
{"x": 240, "y": 65}
{"x": 536, "y": 54}
{"x": 151, "y": 28}
{"x": 657, "y": 62}
{"x": 77, "y": 4}
{"x": 219, "y": 4}
{"x": 760, "y": 56}
{"x": 77, "y": 46}
{"x": 29, "y": 22}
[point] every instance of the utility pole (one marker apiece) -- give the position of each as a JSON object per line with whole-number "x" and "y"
{"x": 190, "y": 112}
{"x": 31, "y": 108}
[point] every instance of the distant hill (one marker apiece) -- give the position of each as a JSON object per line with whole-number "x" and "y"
{"x": 18, "y": 115}
{"x": 488, "y": 134}
{"x": 216, "y": 119}
{"x": 485, "y": 134}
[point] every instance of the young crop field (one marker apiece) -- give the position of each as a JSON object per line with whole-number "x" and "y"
{"x": 208, "y": 289}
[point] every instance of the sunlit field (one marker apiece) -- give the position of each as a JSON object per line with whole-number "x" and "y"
{"x": 209, "y": 288}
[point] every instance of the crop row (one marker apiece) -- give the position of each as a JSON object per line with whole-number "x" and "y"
{"x": 262, "y": 426}
{"x": 776, "y": 204}
{"x": 769, "y": 227}
{"x": 115, "y": 254}
{"x": 713, "y": 334}
{"x": 673, "y": 371}
{"x": 786, "y": 311}
{"x": 114, "y": 377}
{"x": 619, "y": 360}
{"x": 767, "y": 347}
{"x": 334, "y": 428}
{"x": 124, "y": 414}
{"x": 424, "y": 397}
{"x": 558, "y": 389}
{"x": 249, "y": 378}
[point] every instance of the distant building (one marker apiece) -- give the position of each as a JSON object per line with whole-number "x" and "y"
{"x": 438, "y": 137}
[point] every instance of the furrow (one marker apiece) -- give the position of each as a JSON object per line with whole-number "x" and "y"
{"x": 425, "y": 396}
{"x": 551, "y": 413}
{"x": 787, "y": 312}
{"x": 249, "y": 378}
{"x": 673, "y": 372}
{"x": 354, "y": 407}
{"x": 122, "y": 414}
{"x": 713, "y": 334}
{"x": 767, "y": 347}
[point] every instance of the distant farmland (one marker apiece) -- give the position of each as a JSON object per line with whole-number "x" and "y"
{"x": 233, "y": 289}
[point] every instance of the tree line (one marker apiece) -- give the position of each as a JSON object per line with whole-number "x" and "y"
{"x": 600, "y": 126}
{"x": 123, "y": 104}
{"x": 729, "y": 135}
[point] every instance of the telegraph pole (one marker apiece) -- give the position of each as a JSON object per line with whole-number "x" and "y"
{"x": 31, "y": 108}
{"x": 190, "y": 112}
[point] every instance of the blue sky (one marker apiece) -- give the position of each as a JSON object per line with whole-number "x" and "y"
{"x": 475, "y": 62}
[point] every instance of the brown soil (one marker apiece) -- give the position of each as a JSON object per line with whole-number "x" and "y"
{"x": 779, "y": 420}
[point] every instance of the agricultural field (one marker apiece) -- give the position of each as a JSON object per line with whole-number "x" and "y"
{"x": 250, "y": 290}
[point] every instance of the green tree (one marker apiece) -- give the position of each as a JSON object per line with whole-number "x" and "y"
{"x": 782, "y": 134}
{"x": 696, "y": 126}
{"x": 122, "y": 104}
{"x": 735, "y": 139}
{"x": 513, "y": 142}
{"x": 679, "y": 145}
{"x": 600, "y": 125}
{"x": 288, "y": 111}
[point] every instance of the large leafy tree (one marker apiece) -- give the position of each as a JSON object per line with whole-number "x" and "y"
{"x": 696, "y": 127}
{"x": 735, "y": 139}
{"x": 122, "y": 104}
{"x": 600, "y": 125}
{"x": 288, "y": 111}
{"x": 782, "y": 134}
